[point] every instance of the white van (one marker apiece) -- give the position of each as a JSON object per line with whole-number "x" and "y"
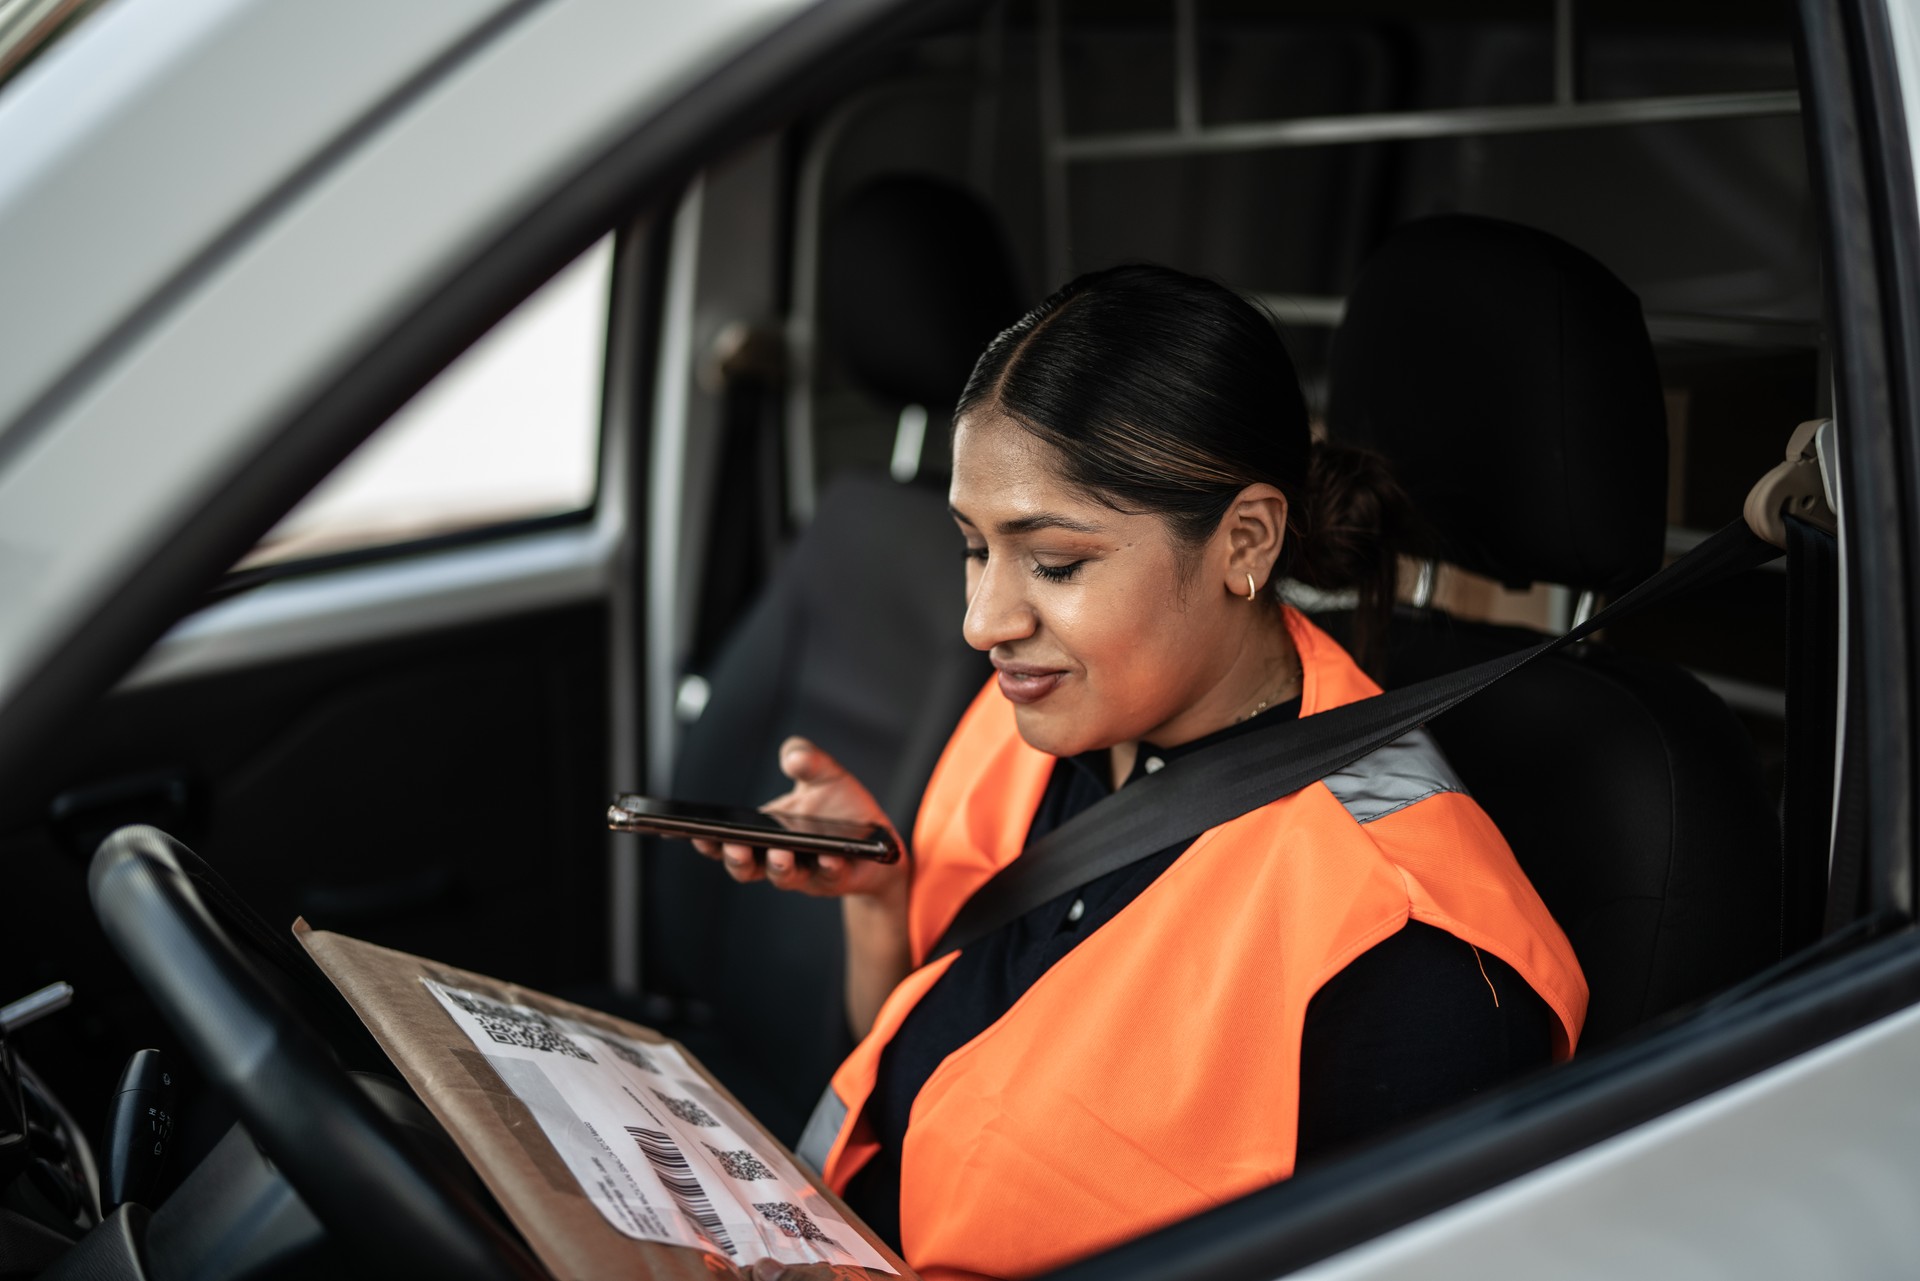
{"x": 419, "y": 421}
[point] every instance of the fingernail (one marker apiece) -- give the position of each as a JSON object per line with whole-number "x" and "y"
{"x": 768, "y": 1269}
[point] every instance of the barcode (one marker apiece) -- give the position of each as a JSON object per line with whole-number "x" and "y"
{"x": 511, "y": 1025}
{"x": 677, "y": 1176}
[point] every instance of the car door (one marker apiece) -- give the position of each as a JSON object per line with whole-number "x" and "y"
{"x": 401, "y": 712}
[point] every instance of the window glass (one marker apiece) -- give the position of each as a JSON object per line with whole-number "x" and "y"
{"x": 508, "y": 432}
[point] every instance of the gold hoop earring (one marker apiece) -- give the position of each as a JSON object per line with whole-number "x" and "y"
{"x": 1252, "y": 591}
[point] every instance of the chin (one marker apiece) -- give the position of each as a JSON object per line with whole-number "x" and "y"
{"x": 1053, "y": 734}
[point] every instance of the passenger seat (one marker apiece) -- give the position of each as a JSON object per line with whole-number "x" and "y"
{"x": 1509, "y": 378}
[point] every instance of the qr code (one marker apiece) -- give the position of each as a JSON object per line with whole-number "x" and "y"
{"x": 740, "y": 1164}
{"x": 687, "y": 1110}
{"x": 793, "y": 1221}
{"x": 631, "y": 1054}
{"x": 511, "y": 1025}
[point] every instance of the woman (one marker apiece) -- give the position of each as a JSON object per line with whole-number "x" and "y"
{"x": 1133, "y": 475}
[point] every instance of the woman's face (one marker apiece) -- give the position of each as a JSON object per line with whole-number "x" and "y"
{"x": 1100, "y": 629}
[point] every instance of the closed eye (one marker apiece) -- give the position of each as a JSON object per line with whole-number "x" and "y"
{"x": 1057, "y": 573}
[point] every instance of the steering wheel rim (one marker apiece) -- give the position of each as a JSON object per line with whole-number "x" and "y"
{"x": 347, "y": 1160}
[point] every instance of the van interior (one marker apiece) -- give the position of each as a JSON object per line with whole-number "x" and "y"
{"x": 1560, "y": 262}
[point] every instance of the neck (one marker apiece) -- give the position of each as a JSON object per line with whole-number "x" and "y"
{"x": 1263, "y": 671}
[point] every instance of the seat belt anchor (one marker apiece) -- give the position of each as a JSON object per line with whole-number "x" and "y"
{"x": 1796, "y": 487}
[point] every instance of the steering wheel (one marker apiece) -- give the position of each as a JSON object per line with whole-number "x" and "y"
{"x": 346, "y": 1158}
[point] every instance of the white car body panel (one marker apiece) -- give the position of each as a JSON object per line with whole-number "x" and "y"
{"x": 1810, "y": 1169}
{"x": 131, "y": 147}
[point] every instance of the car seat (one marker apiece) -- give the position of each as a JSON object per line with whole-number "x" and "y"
{"x": 1509, "y": 379}
{"x": 855, "y": 642}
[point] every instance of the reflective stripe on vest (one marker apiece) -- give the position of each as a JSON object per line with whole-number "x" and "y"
{"x": 1154, "y": 1070}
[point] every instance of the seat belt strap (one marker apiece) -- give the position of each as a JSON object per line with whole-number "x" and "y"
{"x": 1215, "y": 784}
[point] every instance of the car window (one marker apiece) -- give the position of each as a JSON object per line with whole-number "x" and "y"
{"x": 509, "y": 432}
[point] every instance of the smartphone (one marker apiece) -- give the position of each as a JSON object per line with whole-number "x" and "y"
{"x": 686, "y": 819}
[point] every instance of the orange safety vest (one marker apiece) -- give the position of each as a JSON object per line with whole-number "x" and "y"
{"x": 1154, "y": 1070}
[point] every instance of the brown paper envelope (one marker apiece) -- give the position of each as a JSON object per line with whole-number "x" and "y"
{"x": 497, "y": 1132}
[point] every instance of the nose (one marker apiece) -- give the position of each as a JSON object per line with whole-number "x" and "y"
{"x": 998, "y": 610}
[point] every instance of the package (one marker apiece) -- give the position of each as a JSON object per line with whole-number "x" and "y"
{"x": 614, "y": 1152}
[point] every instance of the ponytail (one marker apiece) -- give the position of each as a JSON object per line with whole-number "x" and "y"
{"x": 1355, "y": 522}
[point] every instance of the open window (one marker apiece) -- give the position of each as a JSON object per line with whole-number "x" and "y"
{"x": 505, "y": 437}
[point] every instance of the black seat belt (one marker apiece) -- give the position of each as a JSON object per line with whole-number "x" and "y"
{"x": 1215, "y": 784}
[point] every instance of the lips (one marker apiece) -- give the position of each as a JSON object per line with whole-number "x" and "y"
{"x": 1024, "y": 683}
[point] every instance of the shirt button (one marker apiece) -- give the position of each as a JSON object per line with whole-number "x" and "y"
{"x": 1078, "y": 910}
{"x": 1154, "y": 765}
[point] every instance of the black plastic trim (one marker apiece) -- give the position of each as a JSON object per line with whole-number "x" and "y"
{"x": 1852, "y": 173}
{"x": 633, "y": 378}
{"x": 1888, "y": 169}
{"x": 784, "y": 70}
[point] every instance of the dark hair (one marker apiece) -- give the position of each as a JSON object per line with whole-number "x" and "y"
{"x": 1168, "y": 393}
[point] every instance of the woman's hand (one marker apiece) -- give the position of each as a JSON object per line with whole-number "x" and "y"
{"x": 821, "y": 789}
{"x": 873, "y": 896}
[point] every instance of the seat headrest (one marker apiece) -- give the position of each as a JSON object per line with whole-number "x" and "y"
{"x": 1509, "y": 378}
{"x": 915, "y": 280}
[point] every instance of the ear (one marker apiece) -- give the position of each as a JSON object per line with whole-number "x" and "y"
{"x": 1250, "y": 538}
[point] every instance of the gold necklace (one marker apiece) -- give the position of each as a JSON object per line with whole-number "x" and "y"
{"x": 1298, "y": 678}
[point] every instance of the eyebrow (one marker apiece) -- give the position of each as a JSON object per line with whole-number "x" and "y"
{"x": 1028, "y": 524}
